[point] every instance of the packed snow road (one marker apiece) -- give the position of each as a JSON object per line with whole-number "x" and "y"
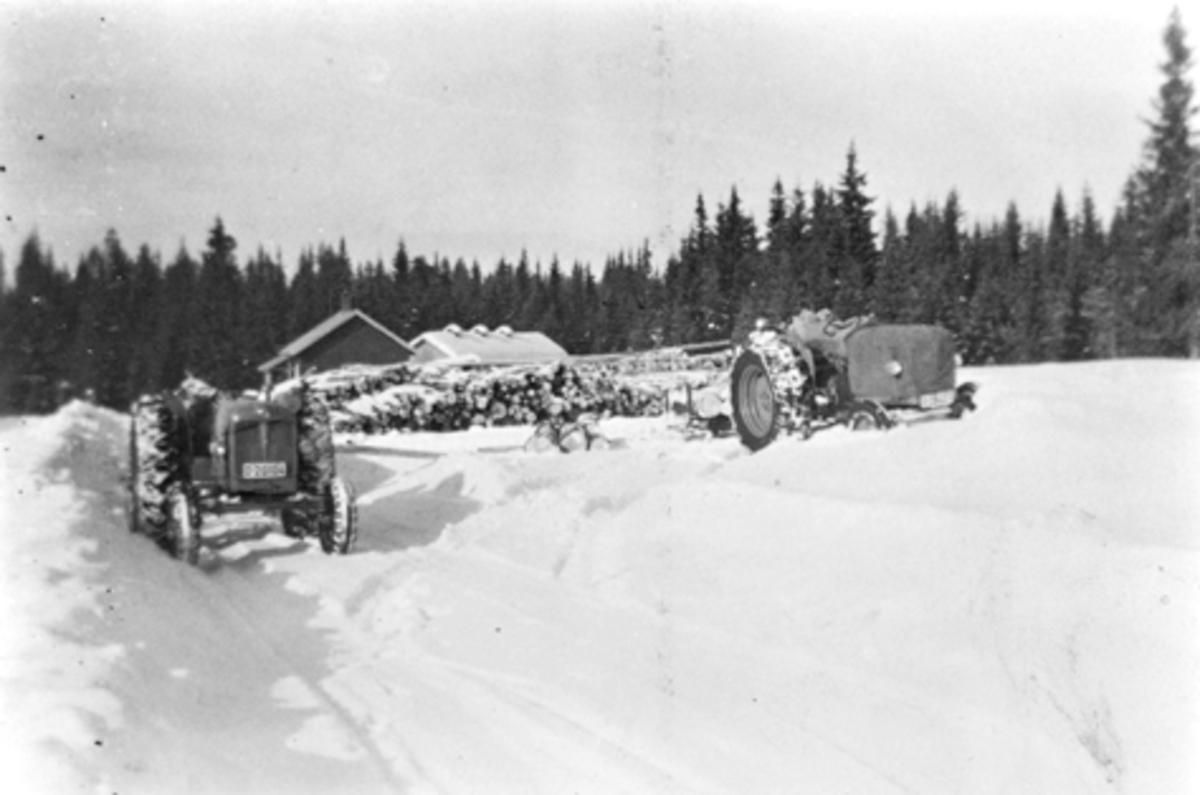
{"x": 1010, "y": 603}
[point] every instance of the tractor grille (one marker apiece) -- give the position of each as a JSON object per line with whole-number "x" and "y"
{"x": 263, "y": 455}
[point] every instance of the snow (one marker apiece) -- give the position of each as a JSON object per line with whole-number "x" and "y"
{"x": 1005, "y": 604}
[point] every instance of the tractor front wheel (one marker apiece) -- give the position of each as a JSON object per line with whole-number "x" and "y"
{"x": 183, "y": 527}
{"x": 154, "y": 465}
{"x": 756, "y": 412}
{"x": 339, "y": 525}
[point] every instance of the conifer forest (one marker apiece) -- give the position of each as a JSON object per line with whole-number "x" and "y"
{"x": 1065, "y": 282}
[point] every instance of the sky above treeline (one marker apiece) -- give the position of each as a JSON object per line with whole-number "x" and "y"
{"x": 565, "y": 129}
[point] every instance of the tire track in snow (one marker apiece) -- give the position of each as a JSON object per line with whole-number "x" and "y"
{"x": 238, "y": 604}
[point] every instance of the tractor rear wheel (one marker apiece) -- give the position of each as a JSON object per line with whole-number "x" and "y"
{"x": 339, "y": 525}
{"x": 154, "y": 465}
{"x": 756, "y": 412}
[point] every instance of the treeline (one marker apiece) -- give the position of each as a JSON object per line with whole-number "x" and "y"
{"x": 1073, "y": 287}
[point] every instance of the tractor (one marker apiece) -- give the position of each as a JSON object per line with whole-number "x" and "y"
{"x": 196, "y": 451}
{"x": 820, "y": 371}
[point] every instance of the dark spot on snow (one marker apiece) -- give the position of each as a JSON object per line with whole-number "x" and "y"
{"x": 99, "y": 743}
{"x": 41, "y": 137}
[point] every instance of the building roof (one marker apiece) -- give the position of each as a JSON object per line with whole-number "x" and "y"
{"x": 480, "y": 345}
{"x": 323, "y": 330}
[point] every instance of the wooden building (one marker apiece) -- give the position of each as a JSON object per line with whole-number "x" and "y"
{"x": 345, "y": 338}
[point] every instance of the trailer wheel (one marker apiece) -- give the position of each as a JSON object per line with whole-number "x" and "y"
{"x": 862, "y": 420}
{"x": 868, "y": 416}
{"x": 183, "y": 527}
{"x": 339, "y": 526}
{"x": 756, "y": 412}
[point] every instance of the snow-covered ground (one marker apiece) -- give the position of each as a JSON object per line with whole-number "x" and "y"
{"x": 1006, "y": 604}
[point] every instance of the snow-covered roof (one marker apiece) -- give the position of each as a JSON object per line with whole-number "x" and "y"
{"x": 481, "y": 345}
{"x": 323, "y": 330}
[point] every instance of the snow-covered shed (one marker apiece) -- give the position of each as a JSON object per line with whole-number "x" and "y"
{"x": 347, "y": 337}
{"x": 483, "y": 346}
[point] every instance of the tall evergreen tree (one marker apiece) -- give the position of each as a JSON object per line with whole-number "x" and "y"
{"x": 335, "y": 279}
{"x": 1166, "y": 179}
{"x": 400, "y": 316}
{"x": 854, "y": 251}
{"x": 306, "y": 308}
{"x": 177, "y": 323}
{"x": 219, "y": 293}
{"x": 105, "y": 355}
{"x": 146, "y": 307}
{"x": 1166, "y": 314}
{"x": 1080, "y": 288}
{"x": 735, "y": 253}
{"x": 264, "y": 326}
{"x": 39, "y": 333}
{"x": 893, "y": 278}
{"x": 821, "y": 275}
{"x": 500, "y": 299}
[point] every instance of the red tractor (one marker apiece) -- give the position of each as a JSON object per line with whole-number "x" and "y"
{"x": 197, "y": 451}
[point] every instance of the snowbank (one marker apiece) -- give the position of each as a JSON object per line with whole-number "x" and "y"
{"x": 1006, "y": 604}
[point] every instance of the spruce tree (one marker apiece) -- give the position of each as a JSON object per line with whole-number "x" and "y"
{"x": 735, "y": 249}
{"x": 821, "y": 280}
{"x": 854, "y": 250}
{"x": 893, "y": 278}
{"x": 39, "y": 323}
{"x": 334, "y": 279}
{"x": 1079, "y": 323}
{"x": 399, "y": 315}
{"x": 264, "y": 326}
{"x": 1166, "y": 179}
{"x": 146, "y": 307}
{"x": 305, "y": 305}
{"x": 177, "y": 323}
{"x": 1166, "y": 310}
{"x": 219, "y": 294}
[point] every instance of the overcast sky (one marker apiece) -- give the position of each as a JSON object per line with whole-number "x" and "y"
{"x": 573, "y": 129}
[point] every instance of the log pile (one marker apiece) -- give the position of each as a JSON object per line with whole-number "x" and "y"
{"x": 436, "y": 399}
{"x": 450, "y": 398}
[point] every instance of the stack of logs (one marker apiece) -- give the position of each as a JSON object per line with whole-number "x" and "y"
{"x": 406, "y": 398}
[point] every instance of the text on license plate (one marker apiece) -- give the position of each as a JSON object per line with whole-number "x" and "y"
{"x": 937, "y": 400}
{"x": 261, "y": 470}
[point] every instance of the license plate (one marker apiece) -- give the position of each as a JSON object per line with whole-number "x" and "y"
{"x": 264, "y": 470}
{"x": 937, "y": 400}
